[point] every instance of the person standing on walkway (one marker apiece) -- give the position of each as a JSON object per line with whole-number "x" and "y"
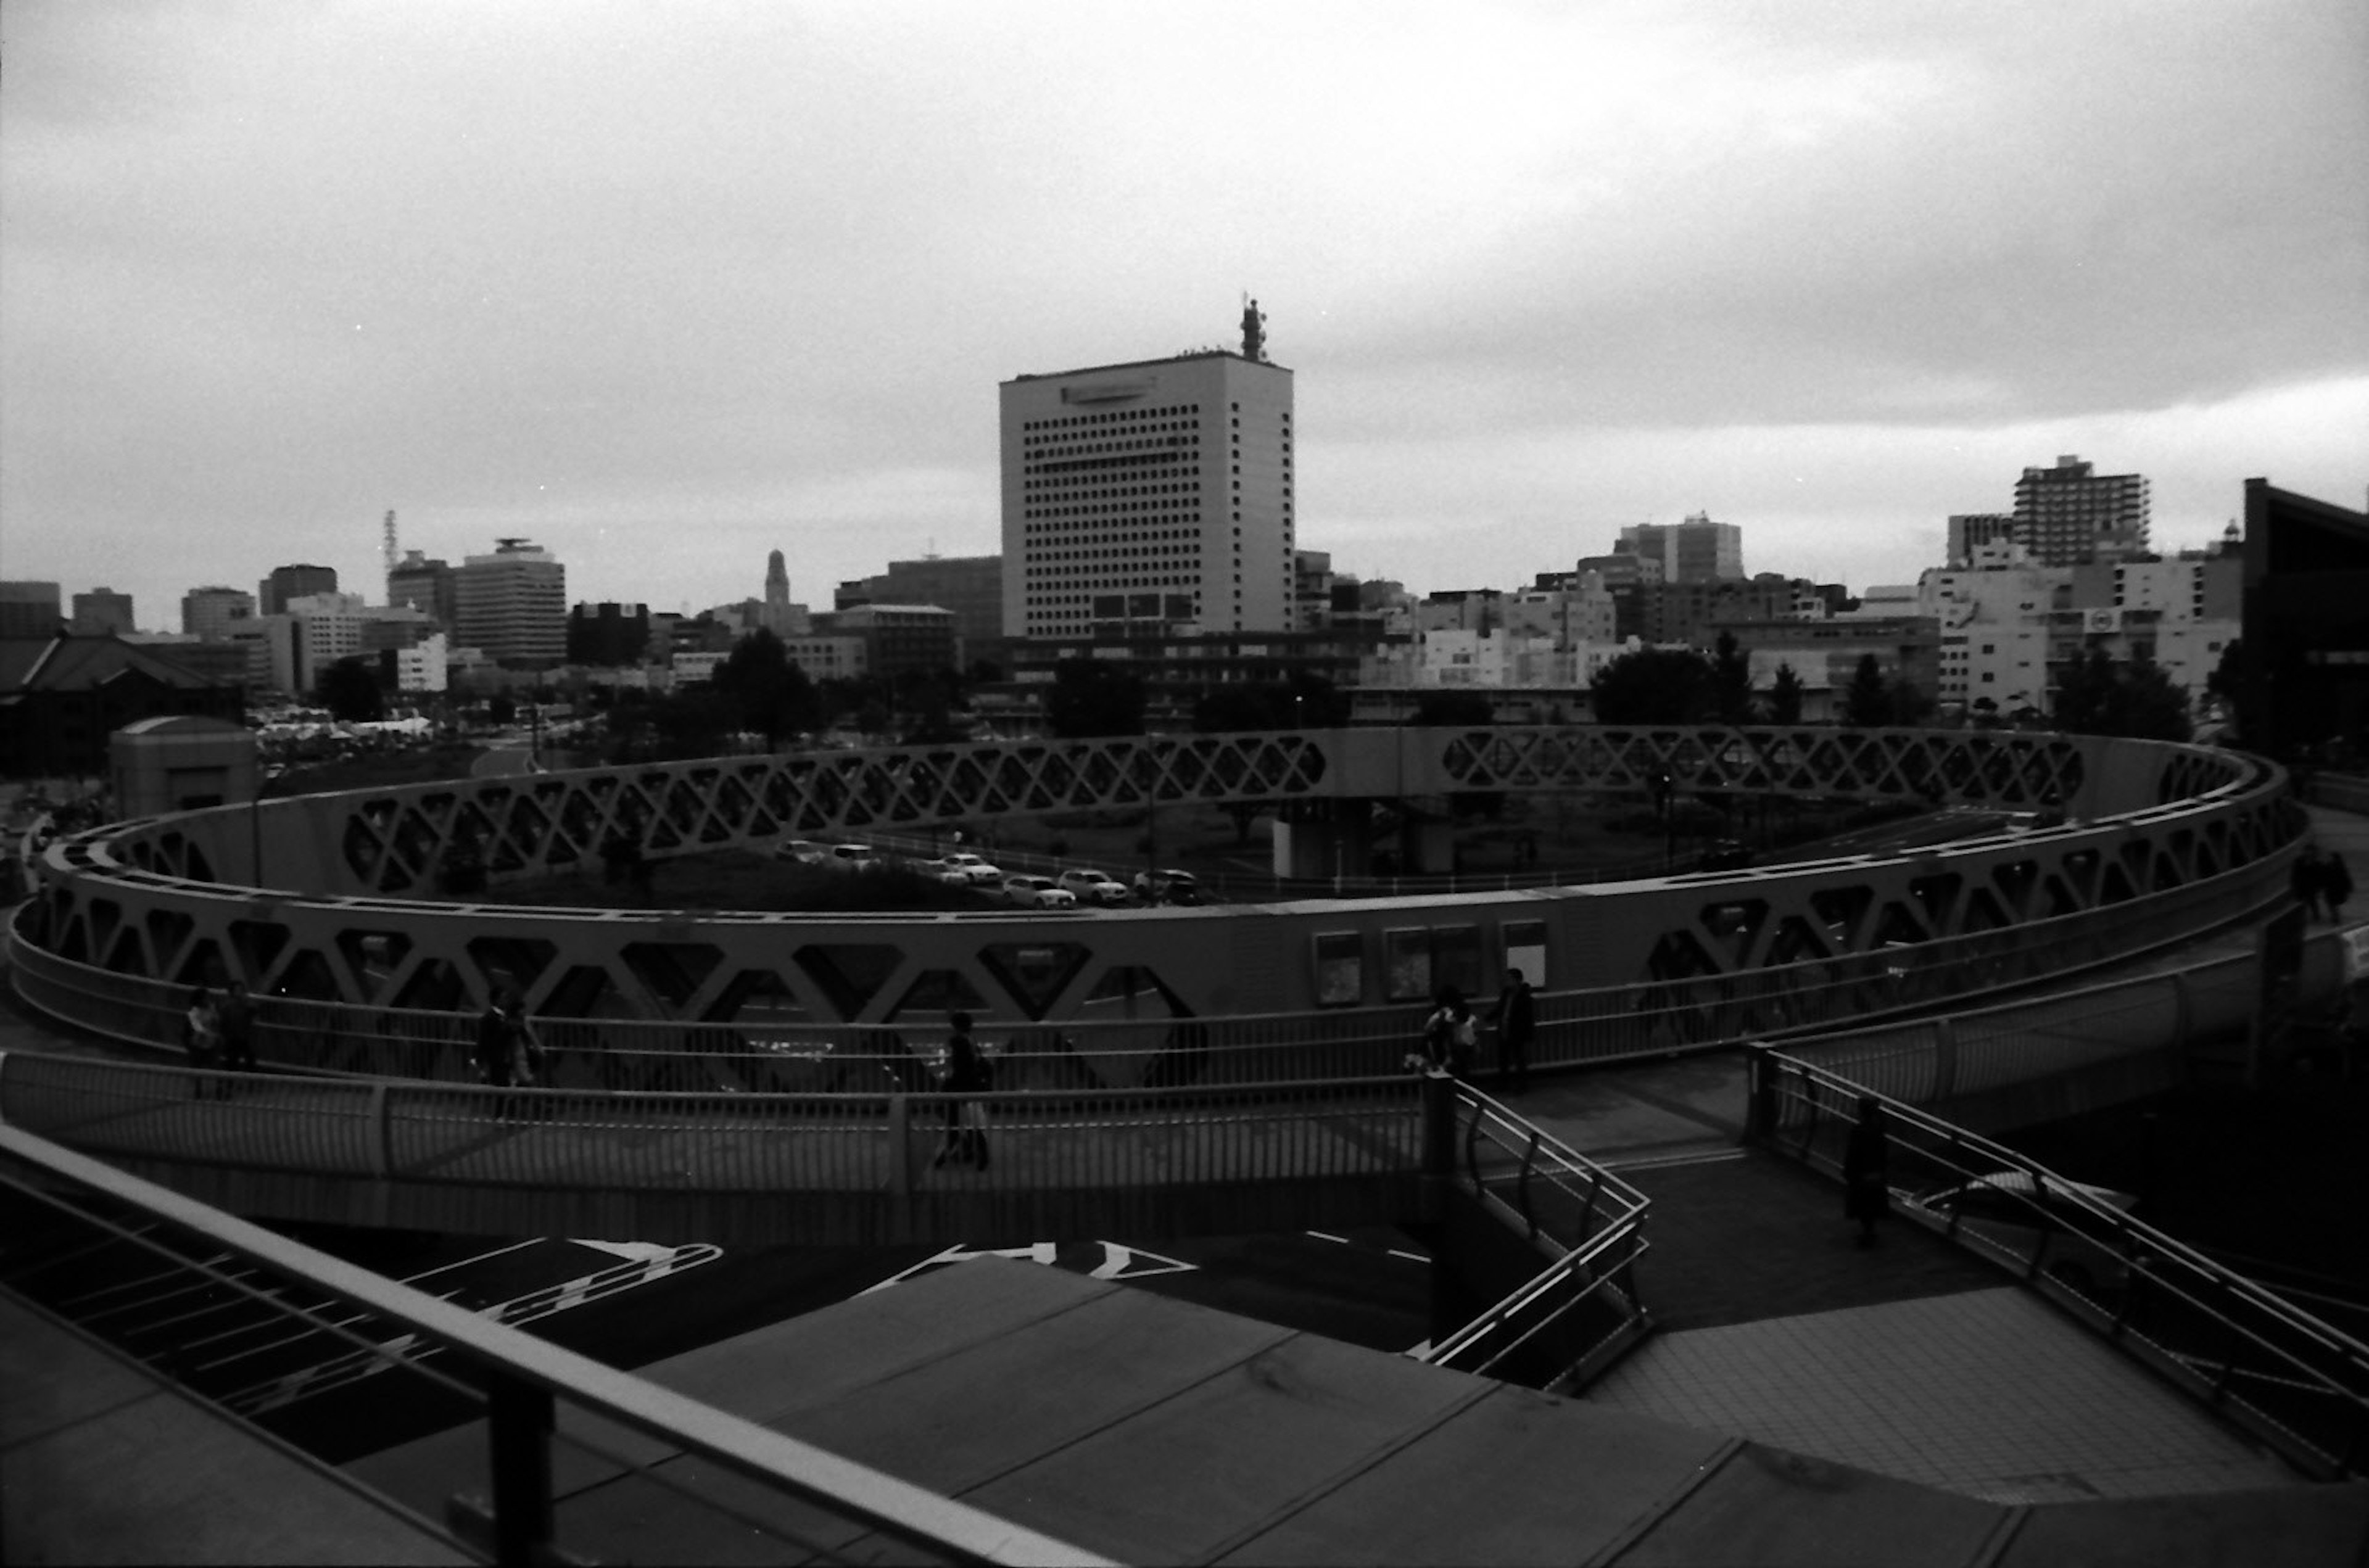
{"x": 2303, "y": 880}
{"x": 1515, "y": 1020}
{"x": 966, "y": 1073}
{"x": 1867, "y": 1185}
{"x": 239, "y": 1028}
{"x": 202, "y": 1035}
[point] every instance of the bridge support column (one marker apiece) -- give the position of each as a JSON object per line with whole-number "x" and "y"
{"x": 518, "y": 1427}
{"x": 1322, "y": 840}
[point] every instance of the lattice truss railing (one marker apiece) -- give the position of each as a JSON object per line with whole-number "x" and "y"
{"x": 1979, "y": 767}
{"x": 392, "y": 843}
{"x": 127, "y": 911}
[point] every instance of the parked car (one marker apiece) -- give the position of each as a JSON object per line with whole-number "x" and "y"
{"x": 1094, "y": 886}
{"x": 974, "y": 870}
{"x": 1037, "y": 893}
{"x": 852, "y": 857}
{"x": 2010, "y": 1212}
{"x": 1168, "y": 886}
{"x": 805, "y": 852}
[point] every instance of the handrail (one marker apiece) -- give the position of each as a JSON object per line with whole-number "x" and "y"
{"x": 2298, "y": 1382}
{"x": 1596, "y": 1239}
{"x": 517, "y": 1361}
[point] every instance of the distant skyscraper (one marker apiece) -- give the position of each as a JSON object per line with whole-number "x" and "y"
{"x": 1149, "y": 494}
{"x": 2069, "y": 515}
{"x": 1970, "y": 532}
{"x": 970, "y": 586}
{"x": 1696, "y": 549}
{"x": 29, "y": 610}
{"x": 208, "y": 613}
{"x": 425, "y": 585}
{"x": 512, "y": 605}
{"x": 103, "y": 610}
{"x": 777, "y": 582}
{"x": 272, "y": 594}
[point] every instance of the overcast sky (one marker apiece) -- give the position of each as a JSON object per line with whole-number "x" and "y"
{"x": 665, "y": 286}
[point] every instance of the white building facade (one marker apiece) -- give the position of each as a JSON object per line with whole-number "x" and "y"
{"x": 512, "y": 605}
{"x": 1149, "y": 497}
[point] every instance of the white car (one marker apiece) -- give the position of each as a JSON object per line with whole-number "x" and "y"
{"x": 975, "y": 870}
{"x": 1037, "y": 893}
{"x": 1094, "y": 886}
{"x": 805, "y": 852}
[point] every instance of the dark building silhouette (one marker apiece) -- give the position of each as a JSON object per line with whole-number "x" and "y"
{"x": 608, "y": 635}
{"x": 62, "y": 697}
{"x": 272, "y": 594}
{"x": 2304, "y": 652}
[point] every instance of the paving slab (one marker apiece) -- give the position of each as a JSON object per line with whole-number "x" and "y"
{"x": 93, "y": 1472}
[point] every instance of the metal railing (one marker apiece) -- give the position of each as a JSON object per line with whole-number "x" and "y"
{"x": 759, "y": 1053}
{"x": 520, "y": 1382}
{"x": 1577, "y": 1315}
{"x": 2294, "y": 1382}
{"x": 763, "y": 1145}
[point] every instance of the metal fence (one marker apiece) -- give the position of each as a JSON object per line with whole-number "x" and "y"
{"x": 2294, "y": 1382}
{"x": 754, "y": 1054}
{"x": 1556, "y": 1330}
{"x": 838, "y": 1510}
{"x": 760, "y": 1146}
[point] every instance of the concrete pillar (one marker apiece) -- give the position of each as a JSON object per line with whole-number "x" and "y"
{"x": 1323, "y": 838}
{"x": 1427, "y": 847}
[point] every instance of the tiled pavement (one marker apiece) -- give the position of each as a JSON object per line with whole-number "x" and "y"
{"x": 1991, "y": 1393}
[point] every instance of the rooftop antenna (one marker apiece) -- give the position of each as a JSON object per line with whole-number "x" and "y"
{"x": 1253, "y": 330}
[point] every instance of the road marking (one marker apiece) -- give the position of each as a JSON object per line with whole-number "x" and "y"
{"x": 1328, "y": 1236}
{"x": 1411, "y": 1258}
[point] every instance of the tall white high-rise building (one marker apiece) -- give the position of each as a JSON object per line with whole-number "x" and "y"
{"x": 1150, "y": 496}
{"x": 511, "y": 606}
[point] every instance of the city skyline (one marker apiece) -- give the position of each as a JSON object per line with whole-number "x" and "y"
{"x": 666, "y": 293}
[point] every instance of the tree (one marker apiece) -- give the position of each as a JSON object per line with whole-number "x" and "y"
{"x": 764, "y": 691}
{"x": 349, "y": 689}
{"x": 1730, "y": 681}
{"x": 1785, "y": 696}
{"x": 1094, "y": 696}
{"x": 2095, "y": 697}
{"x": 2227, "y": 684}
{"x": 1867, "y": 701}
{"x": 1656, "y": 686}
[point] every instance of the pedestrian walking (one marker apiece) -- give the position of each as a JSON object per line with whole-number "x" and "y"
{"x": 504, "y": 1051}
{"x": 1516, "y": 1020}
{"x": 2335, "y": 885}
{"x": 237, "y": 1014}
{"x": 967, "y": 1072}
{"x": 1867, "y": 1187}
{"x": 201, "y": 1038}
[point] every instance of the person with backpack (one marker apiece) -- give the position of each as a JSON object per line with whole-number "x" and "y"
{"x": 966, "y": 1071}
{"x": 1449, "y": 1035}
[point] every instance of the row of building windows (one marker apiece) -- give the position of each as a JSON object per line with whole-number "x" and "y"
{"x": 1052, "y": 453}
{"x": 1116, "y": 417}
